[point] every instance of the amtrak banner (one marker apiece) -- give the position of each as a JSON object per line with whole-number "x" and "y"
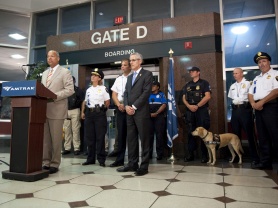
{"x": 19, "y": 88}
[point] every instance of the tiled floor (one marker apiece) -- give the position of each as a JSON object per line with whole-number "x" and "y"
{"x": 176, "y": 184}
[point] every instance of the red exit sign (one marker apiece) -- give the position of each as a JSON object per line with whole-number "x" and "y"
{"x": 119, "y": 20}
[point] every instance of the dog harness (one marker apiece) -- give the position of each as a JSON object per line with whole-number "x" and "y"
{"x": 215, "y": 140}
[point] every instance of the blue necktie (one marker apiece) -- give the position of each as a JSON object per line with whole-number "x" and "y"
{"x": 134, "y": 77}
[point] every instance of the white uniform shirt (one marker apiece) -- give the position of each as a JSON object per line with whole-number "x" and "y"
{"x": 239, "y": 92}
{"x": 264, "y": 84}
{"x": 119, "y": 86}
{"x": 96, "y": 95}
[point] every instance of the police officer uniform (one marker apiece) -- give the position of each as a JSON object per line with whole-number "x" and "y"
{"x": 194, "y": 93}
{"x": 157, "y": 124}
{"x": 119, "y": 88}
{"x": 72, "y": 122}
{"x": 266, "y": 119}
{"x": 242, "y": 115}
{"x": 95, "y": 124}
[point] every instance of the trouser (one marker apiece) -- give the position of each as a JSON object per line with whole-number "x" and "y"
{"x": 72, "y": 130}
{"x": 122, "y": 133}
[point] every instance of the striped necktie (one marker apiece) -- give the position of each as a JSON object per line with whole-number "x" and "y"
{"x": 49, "y": 77}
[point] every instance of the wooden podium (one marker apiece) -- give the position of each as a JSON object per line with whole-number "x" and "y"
{"x": 28, "y": 102}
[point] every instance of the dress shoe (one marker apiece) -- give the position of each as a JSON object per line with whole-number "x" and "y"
{"x": 159, "y": 158}
{"x": 45, "y": 167}
{"x": 77, "y": 152}
{"x": 204, "y": 160}
{"x": 112, "y": 154}
{"x": 141, "y": 172}
{"x": 116, "y": 164}
{"x": 188, "y": 159}
{"x": 65, "y": 152}
{"x": 53, "y": 170}
{"x": 102, "y": 164}
{"x": 261, "y": 166}
{"x": 126, "y": 169}
{"x": 88, "y": 163}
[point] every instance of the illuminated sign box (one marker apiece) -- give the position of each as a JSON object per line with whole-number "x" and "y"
{"x": 119, "y": 20}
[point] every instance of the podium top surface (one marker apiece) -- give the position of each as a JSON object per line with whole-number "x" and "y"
{"x": 26, "y": 89}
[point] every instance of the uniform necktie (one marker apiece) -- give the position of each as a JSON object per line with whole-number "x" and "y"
{"x": 49, "y": 77}
{"x": 134, "y": 77}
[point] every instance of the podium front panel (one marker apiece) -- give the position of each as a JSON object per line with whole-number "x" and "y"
{"x": 19, "y": 140}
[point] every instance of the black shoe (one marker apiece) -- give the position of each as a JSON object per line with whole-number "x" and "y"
{"x": 126, "y": 169}
{"x": 141, "y": 172}
{"x": 112, "y": 154}
{"x": 102, "y": 164}
{"x": 261, "y": 166}
{"x": 88, "y": 163}
{"x": 77, "y": 152}
{"x": 188, "y": 159}
{"x": 116, "y": 164}
{"x": 53, "y": 170}
{"x": 159, "y": 158}
{"x": 65, "y": 152}
{"x": 45, "y": 167}
{"x": 204, "y": 160}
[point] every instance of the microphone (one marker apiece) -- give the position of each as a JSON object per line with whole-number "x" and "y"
{"x": 34, "y": 64}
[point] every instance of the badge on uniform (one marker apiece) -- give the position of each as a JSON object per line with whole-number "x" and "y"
{"x": 188, "y": 89}
{"x": 243, "y": 86}
{"x": 99, "y": 90}
{"x": 269, "y": 76}
{"x": 197, "y": 87}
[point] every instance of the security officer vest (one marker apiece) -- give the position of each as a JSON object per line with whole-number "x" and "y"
{"x": 156, "y": 100}
{"x": 195, "y": 91}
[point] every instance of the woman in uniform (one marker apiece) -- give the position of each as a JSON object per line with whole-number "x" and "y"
{"x": 94, "y": 107}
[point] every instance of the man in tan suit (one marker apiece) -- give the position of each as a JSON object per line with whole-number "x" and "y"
{"x": 58, "y": 80}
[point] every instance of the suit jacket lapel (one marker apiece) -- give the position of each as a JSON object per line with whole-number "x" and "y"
{"x": 138, "y": 76}
{"x": 57, "y": 71}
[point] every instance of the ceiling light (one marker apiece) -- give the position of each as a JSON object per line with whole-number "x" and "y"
{"x": 17, "y": 36}
{"x": 69, "y": 43}
{"x": 268, "y": 44}
{"x": 17, "y": 56}
{"x": 100, "y": 13}
{"x": 239, "y": 30}
{"x": 247, "y": 46}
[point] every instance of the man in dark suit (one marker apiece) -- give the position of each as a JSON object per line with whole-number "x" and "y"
{"x": 58, "y": 80}
{"x": 136, "y": 95}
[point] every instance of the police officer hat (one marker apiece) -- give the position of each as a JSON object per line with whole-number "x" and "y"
{"x": 261, "y": 55}
{"x": 194, "y": 68}
{"x": 98, "y": 72}
{"x": 156, "y": 83}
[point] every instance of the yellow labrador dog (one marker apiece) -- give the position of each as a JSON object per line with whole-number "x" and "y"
{"x": 211, "y": 141}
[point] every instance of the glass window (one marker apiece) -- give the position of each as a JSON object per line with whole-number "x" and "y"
{"x": 44, "y": 26}
{"x": 246, "y": 8}
{"x": 76, "y": 19}
{"x": 248, "y": 74}
{"x": 106, "y": 11}
{"x": 147, "y": 10}
{"x": 40, "y": 55}
{"x": 186, "y": 7}
{"x": 243, "y": 40}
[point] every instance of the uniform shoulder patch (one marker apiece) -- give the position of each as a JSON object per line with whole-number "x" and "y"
{"x": 276, "y": 78}
{"x": 106, "y": 90}
{"x": 251, "y": 82}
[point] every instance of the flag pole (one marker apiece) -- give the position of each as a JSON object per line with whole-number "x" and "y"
{"x": 172, "y": 157}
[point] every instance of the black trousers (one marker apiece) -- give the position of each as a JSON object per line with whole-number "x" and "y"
{"x": 267, "y": 128}
{"x": 122, "y": 133}
{"x": 138, "y": 126}
{"x": 157, "y": 128}
{"x": 200, "y": 118}
{"x": 95, "y": 127}
{"x": 242, "y": 119}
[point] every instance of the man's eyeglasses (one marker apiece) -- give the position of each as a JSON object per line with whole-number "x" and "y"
{"x": 132, "y": 60}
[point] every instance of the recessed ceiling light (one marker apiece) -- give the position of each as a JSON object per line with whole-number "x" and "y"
{"x": 239, "y": 30}
{"x": 17, "y": 56}
{"x": 69, "y": 43}
{"x": 100, "y": 13}
{"x": 17, "y": 36}
{"x": 268, "y": 44}
{"x": 247, "y": 46}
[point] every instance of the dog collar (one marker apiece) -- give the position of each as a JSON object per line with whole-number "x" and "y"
{"x": 206, "y": 135}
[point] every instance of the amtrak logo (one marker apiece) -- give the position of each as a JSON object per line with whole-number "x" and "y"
{"x": 18, "y": 88}
{"x": 7, "y": 88}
